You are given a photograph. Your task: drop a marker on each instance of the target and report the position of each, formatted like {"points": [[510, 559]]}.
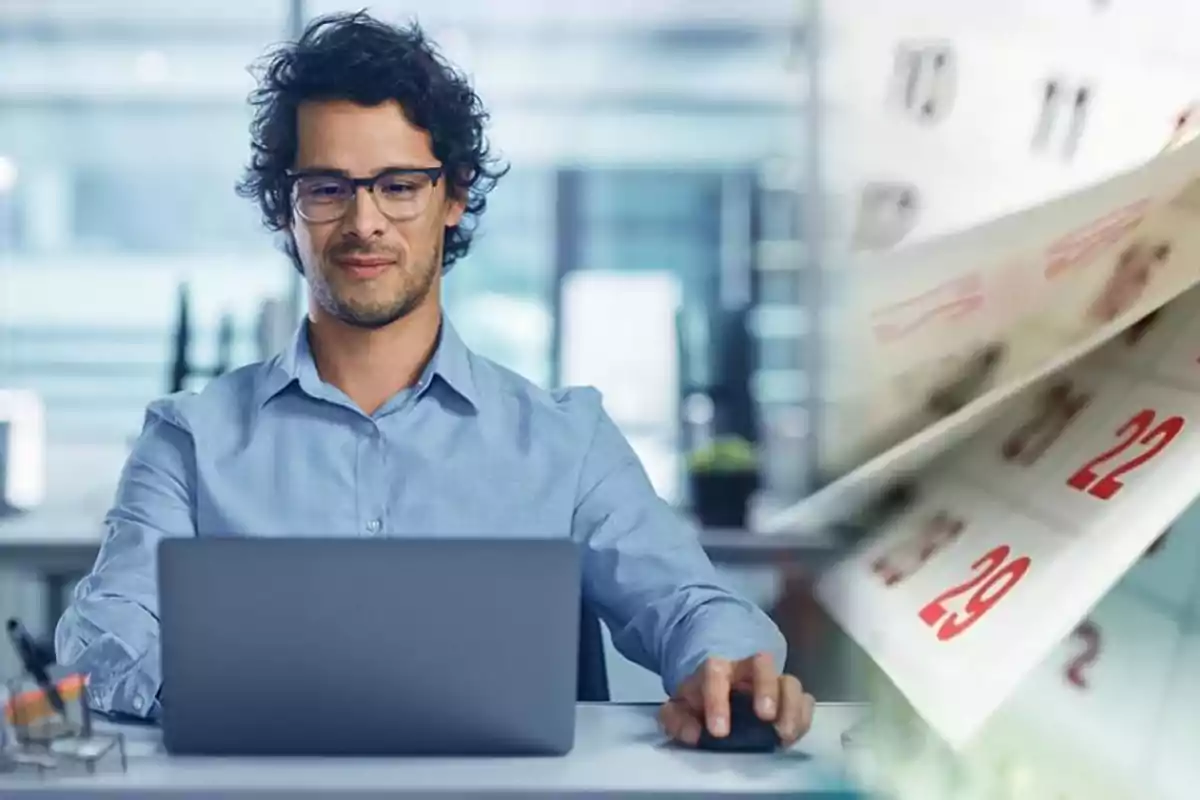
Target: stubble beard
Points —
{"points": [[373, 314]]}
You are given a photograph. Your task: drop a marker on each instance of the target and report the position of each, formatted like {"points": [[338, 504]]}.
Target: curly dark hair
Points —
{"points": [[354, 57]]}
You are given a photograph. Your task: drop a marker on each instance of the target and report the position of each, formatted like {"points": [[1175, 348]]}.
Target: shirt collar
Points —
{"points": [[451, 363]]}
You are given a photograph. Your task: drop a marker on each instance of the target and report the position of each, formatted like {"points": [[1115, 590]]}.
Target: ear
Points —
{"points": [[455, 208]]}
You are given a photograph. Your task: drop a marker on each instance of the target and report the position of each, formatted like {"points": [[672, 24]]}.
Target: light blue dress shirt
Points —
{"points": [[473, 449]]}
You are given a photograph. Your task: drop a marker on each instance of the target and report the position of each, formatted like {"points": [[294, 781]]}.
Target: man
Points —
{"points": [[369, 158]]}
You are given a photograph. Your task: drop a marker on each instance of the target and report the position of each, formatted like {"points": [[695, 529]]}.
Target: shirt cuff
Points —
{"points": [[119, 681], [728, 633]]}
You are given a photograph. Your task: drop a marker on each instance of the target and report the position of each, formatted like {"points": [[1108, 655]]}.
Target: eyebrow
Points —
{"points": [[321, 169]]}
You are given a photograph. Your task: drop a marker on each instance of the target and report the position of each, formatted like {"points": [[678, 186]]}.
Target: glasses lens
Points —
{"points": [[322, 198], [403, 195]]}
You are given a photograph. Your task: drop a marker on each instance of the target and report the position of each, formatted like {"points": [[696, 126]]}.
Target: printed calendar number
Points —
{"points": [[1058, 406], [1059, 98], [935, 534], [1089, 634], [887, 212], [924, 80], [1140, 430], [994, 577]]}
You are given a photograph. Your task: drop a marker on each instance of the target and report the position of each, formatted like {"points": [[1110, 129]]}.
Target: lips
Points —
{"points": [[364, 261], [364, 266]]}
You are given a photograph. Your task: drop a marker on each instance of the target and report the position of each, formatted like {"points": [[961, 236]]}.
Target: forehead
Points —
{"points": [[342, 135]]}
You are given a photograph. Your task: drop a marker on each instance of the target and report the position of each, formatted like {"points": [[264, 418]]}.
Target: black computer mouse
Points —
{"points": [[747, 733]]}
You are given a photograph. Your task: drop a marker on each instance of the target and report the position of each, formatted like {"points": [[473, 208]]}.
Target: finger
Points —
{"points": [[669, 720], [795, 710], [806, 717], [691, 691], [679, 722], [765, 682], [715, 685]]}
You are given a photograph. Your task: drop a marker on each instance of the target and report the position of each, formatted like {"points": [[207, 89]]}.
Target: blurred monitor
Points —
{"points": [[22, 451]]}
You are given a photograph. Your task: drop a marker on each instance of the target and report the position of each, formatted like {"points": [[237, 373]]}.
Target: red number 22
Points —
{"points": [[1136, 429], [994, 571]]}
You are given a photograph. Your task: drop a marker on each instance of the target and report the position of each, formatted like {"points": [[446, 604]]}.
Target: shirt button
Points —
{"points": [[374, 525]]}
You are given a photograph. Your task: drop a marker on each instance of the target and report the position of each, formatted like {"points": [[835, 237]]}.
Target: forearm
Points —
{"points": [[647, 575], [110, 632], [669, 610], [114, 642]]}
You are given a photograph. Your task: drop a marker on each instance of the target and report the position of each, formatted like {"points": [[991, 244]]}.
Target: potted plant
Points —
{"points": [[723, 477]]}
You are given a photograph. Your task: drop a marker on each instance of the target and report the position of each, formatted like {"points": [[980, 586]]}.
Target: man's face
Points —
{"points": [[368, 269]]}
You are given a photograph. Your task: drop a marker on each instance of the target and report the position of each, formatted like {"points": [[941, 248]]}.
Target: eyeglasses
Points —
{"points": [[400, 194]]}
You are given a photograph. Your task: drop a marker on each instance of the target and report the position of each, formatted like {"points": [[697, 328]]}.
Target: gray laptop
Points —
{"points": [[305, 646]]}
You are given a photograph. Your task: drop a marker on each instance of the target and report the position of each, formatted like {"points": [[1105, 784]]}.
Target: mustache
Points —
{"points": [[354, 248]]}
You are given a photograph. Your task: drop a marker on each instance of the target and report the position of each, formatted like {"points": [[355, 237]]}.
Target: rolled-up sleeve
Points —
{"points": [[110, 630], [647, 575]]}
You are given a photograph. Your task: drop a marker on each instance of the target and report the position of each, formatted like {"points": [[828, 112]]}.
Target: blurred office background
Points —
{"points": [[659, 147]]}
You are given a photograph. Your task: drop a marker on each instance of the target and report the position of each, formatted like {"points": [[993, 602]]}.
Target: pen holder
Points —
{"points": [[34, 735], [34, 721]]}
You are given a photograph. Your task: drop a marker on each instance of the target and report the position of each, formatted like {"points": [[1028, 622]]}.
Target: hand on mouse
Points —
{"points": [[703, 699]]}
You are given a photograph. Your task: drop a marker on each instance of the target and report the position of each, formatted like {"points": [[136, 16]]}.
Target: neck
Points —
{"points": [[371, 366]]}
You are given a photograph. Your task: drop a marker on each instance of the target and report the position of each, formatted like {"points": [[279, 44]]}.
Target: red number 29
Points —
{"points": [[1000, 578], [1138, 429]]}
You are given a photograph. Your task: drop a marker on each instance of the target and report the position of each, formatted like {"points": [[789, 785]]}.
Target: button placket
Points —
{"points": [[374, 478]]}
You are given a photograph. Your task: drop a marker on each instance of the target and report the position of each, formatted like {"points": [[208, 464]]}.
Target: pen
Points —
{"points": [[34, 663]]}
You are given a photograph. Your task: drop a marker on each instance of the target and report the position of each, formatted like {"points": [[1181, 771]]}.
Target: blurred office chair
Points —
{"points": [[181, 366], [719, 363], [592, 684], [734, 367]]}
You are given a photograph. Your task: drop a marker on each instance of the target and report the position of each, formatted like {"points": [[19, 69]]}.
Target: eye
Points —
{"points": [[322, 189], [399, 187]]}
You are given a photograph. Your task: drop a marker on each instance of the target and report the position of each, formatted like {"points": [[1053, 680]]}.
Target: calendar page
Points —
{"points": [[930, 341], [1109, 714], [1007, 541], [1118, 697], [1043, 485], [1007, 434]]}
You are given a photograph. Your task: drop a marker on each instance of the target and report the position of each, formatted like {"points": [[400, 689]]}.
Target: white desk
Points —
{"points": [[619, 753]]}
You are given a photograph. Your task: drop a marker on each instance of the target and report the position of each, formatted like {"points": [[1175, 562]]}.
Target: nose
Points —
{"points": [[364, 217]]}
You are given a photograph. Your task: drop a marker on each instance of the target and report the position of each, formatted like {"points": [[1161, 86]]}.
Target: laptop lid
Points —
{"points": [[313, 646]]}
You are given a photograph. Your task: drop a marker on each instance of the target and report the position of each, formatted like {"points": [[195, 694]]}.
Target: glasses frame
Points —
{"points": [[295, 176]]}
